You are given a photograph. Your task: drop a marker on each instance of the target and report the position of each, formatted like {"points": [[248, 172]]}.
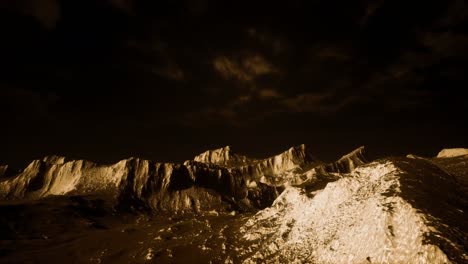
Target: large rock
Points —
{"points": [[391, 211]]}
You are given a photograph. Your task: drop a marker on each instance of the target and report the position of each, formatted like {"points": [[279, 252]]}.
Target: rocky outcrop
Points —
{"points": [[452, 152], [164, 186], [54, 176], [390, 211], [348, 162], [277, 170], [223, 157], [320, 174]]}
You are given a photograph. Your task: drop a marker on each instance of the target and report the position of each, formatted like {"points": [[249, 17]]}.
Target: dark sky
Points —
{"points": [[165, 80]]}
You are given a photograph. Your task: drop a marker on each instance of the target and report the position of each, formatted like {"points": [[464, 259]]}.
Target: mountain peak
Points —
{"points": [[222, 156], [348, 162], [299, 152], [214, 155], [299, 148], [355, 154], [54, 159]]}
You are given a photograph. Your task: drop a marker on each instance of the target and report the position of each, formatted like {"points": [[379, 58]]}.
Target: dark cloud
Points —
{"points": [[161, 75]]}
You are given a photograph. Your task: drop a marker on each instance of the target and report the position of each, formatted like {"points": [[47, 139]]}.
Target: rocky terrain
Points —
{"points": [[224, 207]]}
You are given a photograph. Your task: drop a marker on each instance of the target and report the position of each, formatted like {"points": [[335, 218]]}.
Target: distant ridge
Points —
{"points": [[215, 179]]}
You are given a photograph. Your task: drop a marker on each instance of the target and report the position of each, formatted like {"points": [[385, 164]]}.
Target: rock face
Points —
{"points": [[348, 162], [132, 183], [453, 152], [55, 177], [382, 212], [295, 166]]}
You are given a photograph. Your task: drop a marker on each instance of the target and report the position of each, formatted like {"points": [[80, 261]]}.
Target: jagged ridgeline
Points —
{"points": [[216, 179]]}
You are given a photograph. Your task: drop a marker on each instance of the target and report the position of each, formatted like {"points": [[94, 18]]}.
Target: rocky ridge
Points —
{"points": [[215, 179]]}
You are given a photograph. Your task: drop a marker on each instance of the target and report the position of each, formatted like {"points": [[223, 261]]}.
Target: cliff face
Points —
{"points": [[319, 174], [136, 183], [50, 176]]}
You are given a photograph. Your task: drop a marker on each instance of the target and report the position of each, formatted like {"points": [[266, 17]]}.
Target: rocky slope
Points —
{"points": [[389, 211], [452, 162]]}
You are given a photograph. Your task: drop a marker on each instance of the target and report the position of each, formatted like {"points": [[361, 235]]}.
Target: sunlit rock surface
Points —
{"points": [[46, 177], [384, 212], [222, 207]]}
